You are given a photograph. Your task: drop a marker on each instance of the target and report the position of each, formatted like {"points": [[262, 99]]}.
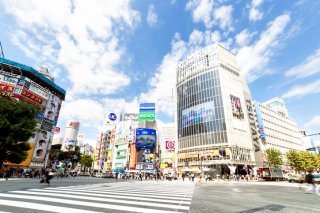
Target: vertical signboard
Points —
{"points": [[253, 129], [133, 152], [147, 112], [260, 122]]}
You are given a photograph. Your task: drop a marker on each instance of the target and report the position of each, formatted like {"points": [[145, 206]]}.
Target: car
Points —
{"points": [[98, 175], [296, 178], [317, 178]]}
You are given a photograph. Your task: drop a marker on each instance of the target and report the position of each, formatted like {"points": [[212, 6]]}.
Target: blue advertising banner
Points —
{"points": [[260, 121], [147, 107], [198, 114], [146, 138]]}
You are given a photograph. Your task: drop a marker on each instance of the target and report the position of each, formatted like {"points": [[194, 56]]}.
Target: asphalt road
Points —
{"points": [[151, 196], [252, 197]]}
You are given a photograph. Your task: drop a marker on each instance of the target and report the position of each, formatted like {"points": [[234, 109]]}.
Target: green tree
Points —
{"points": [[86, 161], [295, 160], [274, 157], [17, 124], [310, 160]]}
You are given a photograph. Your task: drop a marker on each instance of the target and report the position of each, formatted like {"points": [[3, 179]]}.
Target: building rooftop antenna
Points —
{"points": [[1, 52]]}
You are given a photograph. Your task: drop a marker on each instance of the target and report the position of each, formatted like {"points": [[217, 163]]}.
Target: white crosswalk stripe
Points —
{"points": [[123, 196]]}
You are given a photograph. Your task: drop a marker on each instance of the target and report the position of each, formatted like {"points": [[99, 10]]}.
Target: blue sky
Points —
{"points": [[112, 55]]}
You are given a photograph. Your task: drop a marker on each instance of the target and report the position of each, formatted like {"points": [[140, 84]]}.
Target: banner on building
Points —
{"points": [[147, 112], [170, 144]]}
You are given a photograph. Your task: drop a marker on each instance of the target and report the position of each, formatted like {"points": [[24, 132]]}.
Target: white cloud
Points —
{"points": [[84, 38], [202, 11], [253, 59], [163, 83], [254, 13], [244, 37], [88, 112], [307, 68], [223, 15], [152, 17], [196, 38], [303, 90], [314, 123]]}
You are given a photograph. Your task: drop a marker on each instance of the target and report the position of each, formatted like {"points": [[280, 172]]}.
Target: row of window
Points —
{"points": [[203, 139]]}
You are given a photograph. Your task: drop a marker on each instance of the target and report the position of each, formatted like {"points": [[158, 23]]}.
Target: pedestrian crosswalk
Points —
{"points": [[151, 197]]}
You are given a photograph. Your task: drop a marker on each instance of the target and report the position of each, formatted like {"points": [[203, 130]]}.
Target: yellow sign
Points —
{"points": [[163, 166]]}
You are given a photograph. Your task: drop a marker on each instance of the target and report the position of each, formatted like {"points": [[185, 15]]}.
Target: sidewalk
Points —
{"points": [[9, 179]]}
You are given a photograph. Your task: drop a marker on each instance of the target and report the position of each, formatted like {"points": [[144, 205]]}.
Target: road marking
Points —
{"points": [[137, 193], [100, 199], [124, 196], [236, 190], [84, 203], [44, 207]]}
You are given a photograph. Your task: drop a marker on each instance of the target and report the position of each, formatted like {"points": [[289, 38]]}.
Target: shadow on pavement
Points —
{"points": [[272, 207]]}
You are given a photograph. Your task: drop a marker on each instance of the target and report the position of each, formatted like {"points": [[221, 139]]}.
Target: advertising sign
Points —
{"points": [[170, 144], [198, 114], [260, 121], [41, 146], [147, 107], [147, 116], [149, 166], [139, 166], [147, 112], [129, 117], [145, 138], [112, 116], [133, 151], [57, 130], [46, 124], [237, 111], [69, 142], [53, 108]]}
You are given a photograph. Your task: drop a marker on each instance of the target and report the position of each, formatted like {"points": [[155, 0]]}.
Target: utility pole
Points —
{"points": [[1, 51]]}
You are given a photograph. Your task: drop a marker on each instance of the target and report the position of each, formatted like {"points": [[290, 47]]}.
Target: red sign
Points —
{"points": [[170, 144], [6, 88], [57, 130], [31, 96], [74, 124]]}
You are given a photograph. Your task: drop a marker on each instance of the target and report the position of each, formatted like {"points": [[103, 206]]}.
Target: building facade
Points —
{"points": [[24, 83], [276, 128], [213, 126]]}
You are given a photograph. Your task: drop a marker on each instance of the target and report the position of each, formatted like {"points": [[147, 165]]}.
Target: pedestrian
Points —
{"points": [[140, 176], [311, 181], [183, 177], [6, 174], [192, 177]]}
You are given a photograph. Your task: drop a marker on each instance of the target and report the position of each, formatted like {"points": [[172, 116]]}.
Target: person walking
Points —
{"points": [[140, 176], [311, 182]]}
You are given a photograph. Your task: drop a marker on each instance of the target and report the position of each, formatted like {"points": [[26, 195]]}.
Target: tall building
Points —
{"points": [[276, 128], [168, 149], [212, 114], [24, 83]]}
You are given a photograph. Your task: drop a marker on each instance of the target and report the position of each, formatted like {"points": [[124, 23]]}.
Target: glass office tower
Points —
{"points": [[212, 116]]}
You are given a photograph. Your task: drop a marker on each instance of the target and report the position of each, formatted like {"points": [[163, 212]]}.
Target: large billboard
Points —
{"points": [[43, 139], [145, 138], [198, 114], [147, 112], [237, 111]]}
